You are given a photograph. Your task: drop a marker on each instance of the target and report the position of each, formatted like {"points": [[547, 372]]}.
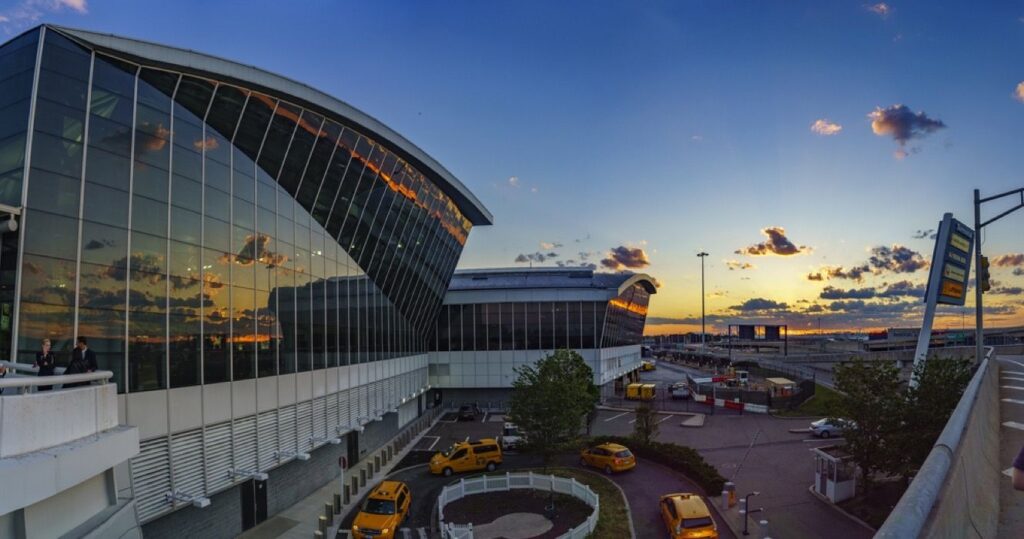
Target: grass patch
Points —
{"points": [[613, 518], [825, 402]]}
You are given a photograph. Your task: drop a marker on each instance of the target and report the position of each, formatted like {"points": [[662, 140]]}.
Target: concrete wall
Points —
{"points": [[223, 518], [60, 514], [49, 418], [496, 369], [968, 505]]}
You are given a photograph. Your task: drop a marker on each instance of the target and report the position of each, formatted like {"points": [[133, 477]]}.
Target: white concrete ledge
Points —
{"points": [[35, 476], [33, 421]]}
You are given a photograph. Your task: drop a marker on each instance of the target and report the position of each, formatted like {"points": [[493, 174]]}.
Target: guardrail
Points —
{"points": [[509, 481], [25, 384], [957, 464]]}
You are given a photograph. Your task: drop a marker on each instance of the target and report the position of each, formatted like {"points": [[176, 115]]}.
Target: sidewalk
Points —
{"points": [[301, 519], [1011, 439]]}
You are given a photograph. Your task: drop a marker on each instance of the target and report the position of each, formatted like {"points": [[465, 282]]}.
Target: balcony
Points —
{"points": [[57, 448]]}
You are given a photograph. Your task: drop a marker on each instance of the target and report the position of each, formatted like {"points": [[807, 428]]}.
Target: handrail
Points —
{"points": [[25, 382], [911, 513]]}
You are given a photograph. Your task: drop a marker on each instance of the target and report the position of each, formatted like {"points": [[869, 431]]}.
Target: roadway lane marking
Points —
{"points": [[1018, 373], [1015, 379], [406, 533], [1015, 401], [1018, 363], [1008, 472], [422, 532], [664, 418], [1012, 387], [485, 417], [615, 417], [1014, 425]]}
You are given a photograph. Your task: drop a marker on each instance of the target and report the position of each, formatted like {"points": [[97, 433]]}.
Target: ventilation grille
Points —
{"points": [[245, 443], [332, 415], [286, 428], [187, 457], [344, 408], [268, 440], [320, 418], [305, 422], [218, 456], [151, 478]]}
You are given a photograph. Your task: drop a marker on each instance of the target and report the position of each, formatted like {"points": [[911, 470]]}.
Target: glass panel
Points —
{"points": [[105, 331], [104, 245], [53, 193], [51, 235], [147, 351], [298, 161]]}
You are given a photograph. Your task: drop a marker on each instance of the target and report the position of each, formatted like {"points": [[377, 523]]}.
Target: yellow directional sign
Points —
{"points": [[960, 242], [952, 272], [951, 289]]}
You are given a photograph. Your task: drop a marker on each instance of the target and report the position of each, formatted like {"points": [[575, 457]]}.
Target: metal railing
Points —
{"points": [[502, 483], [26, 384], [914, 512]]}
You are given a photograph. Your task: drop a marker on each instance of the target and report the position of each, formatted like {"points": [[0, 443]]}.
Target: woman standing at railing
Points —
{"points": [[45, 363]]}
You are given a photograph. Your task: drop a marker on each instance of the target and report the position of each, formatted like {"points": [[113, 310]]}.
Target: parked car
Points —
{"points": [[608, 457], [511, 437], [686, 515], [647, 366], [483, 454], [383, 512], [680, 390], [467, 412], [827, 428]]}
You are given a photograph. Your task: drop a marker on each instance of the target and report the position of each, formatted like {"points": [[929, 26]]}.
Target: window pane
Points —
{"points": [[104, 245], [51, 235], [147, 353], [53, 193]]}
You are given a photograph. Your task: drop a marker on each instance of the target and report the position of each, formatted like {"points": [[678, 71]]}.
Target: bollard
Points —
{"points": [[329, 513], [729, 488], [348, 493], [391, 452], [362, 477], [384, 457], [322, 524], [337, 503], [317, 534], [376, 463], [762, 527]]}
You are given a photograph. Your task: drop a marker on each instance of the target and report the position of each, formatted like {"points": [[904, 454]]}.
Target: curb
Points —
{"points": [[848, 515]]}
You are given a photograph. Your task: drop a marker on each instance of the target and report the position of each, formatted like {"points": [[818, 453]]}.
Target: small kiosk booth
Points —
{"points": [[781, 387], [835, 474]]}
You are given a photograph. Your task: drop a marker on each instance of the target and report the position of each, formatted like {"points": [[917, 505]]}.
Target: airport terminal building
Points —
{"points": [[495, 320], [258, 263]]}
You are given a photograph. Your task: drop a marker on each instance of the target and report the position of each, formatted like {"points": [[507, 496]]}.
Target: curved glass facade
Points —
{"points": [[197, 231]]}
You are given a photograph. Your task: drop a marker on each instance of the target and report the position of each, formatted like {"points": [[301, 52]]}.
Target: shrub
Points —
{"points": [[682, 459]]}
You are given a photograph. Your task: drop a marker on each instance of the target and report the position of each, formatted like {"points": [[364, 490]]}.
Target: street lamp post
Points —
{"points": [[703, 346]]}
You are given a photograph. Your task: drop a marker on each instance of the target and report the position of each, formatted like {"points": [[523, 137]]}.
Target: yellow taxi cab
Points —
{"points": [[647, 366], [385, 509], [483, 454], [609, 457], [687, 516]]}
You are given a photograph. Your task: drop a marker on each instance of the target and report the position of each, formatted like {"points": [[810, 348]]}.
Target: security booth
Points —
{"points": [[835, 474], [780, 387]]}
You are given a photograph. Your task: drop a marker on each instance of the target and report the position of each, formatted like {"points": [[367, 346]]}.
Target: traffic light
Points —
{"points": [[985, 285]]}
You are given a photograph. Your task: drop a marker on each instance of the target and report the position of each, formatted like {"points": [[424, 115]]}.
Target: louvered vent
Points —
{"points": [[345, 408], [218, 457], [332, 414], [320, 418], [268, 439], [187, 457], [362, 393], [151, 478], [286, 428], [305, 422], [245, 443]]}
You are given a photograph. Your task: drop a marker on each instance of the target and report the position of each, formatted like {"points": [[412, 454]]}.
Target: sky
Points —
{"points": [[811, 148]]}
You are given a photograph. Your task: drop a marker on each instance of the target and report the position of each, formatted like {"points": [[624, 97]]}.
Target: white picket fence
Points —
{"points": [[509, 481]]}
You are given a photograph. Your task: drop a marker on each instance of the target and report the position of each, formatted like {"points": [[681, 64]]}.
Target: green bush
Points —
{"points": [[682, 459]]}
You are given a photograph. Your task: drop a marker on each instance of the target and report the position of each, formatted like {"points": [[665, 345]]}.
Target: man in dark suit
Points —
{"points": [[83, 360]]}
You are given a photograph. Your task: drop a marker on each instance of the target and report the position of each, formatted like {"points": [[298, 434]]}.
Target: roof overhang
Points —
{"points": [[290, 90], [643, 280]]}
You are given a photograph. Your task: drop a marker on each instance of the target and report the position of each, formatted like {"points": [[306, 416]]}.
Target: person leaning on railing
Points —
{"points": [[83, 360]]}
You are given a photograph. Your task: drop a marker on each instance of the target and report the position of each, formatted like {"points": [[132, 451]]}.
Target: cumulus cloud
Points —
{"points": [[760, 305], [29, 12], [831, 292], [623, 257], [513, 181], [538, 257], [897, 259], [1007, 291], [815, 276], [1018, 92], [825, 127], [895, 290], [549, 245], [903, 289], [924, 234], [881, 9], [1011, 260], [737, 265], [855, 273], [902, 124], [776, 244]]}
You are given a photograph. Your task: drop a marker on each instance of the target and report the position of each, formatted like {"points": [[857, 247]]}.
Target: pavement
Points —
{"points": [[1011, 440]]}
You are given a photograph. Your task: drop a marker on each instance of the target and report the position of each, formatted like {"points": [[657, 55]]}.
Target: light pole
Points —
{"points": [[979, 326], [703, 349]]}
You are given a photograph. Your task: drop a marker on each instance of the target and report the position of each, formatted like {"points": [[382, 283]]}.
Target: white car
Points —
{"points": [[823, 428], [511, 438]]}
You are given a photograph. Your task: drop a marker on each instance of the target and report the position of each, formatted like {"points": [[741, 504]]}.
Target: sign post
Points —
{"points": [[947, 279]]}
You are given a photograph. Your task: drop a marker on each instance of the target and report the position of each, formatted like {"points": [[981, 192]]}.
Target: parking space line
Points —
{"points": [[1013, 425], [485, 417], [1018, 373], [1014, 401], [1012, 387], [1015, 379], [616, 417], [664, 418]]}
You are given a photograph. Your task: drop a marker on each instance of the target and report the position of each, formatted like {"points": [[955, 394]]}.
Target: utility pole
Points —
{"points": [[979, 330], [703, 346]]}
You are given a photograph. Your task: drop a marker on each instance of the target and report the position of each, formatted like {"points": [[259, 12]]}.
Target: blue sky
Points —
{"points": [[668, 127]]}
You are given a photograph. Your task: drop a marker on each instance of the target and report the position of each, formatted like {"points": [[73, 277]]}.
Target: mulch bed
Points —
{"points": [[483, 508]]}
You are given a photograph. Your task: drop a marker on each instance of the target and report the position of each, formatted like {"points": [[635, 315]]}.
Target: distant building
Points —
{"points": [[494, 320]]}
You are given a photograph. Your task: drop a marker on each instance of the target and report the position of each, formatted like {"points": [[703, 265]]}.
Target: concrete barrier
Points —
{"points": [[956, 491]]}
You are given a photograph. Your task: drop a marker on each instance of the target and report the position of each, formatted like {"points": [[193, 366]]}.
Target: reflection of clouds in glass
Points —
{"points": [[209, 143], [97, 244], [150, 137], [255, 249]]}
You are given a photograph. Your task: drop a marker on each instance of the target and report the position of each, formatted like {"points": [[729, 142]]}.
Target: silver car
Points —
{"points": [[824, 428]]}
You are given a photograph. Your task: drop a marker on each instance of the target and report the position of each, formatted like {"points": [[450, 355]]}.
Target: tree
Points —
{"points": [[550, 399], [940, 384], [645, 426], [872, 395]]}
